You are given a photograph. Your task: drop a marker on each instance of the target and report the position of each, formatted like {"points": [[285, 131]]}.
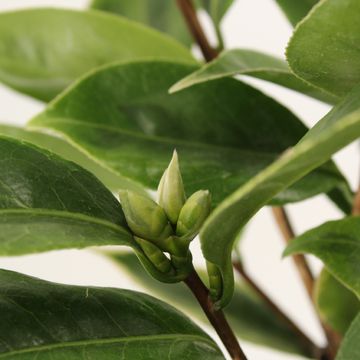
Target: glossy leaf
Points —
{"points": [[337, 305], [296, 10], [64, 149], [123, 116], [43, 50], [337, 244], [52, 321], [48, 203], [350, 347], [323, 49], [255, 64], [337, 129], [249, 317], [163, 15]]}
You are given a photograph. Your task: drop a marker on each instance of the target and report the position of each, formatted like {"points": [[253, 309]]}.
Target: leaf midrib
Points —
{"points": [[110, 341], [35, 125], [66, 215], [330, 240]]}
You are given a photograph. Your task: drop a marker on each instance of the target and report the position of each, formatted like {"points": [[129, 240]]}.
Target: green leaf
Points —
{"points": [[249, 317], [43, 50], [296, 10], [350, 347], [337, 129], [337, 244], [123, 116], [337, 305], [48, 203], [255, 64], [52, 321], [163, 15], [64, 149], [215, 8], [323, 49]]}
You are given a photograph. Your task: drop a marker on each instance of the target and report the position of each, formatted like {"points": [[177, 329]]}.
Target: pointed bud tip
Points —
{"points": [[171, 193], [122, 194], [204, 192], [174, 160]]}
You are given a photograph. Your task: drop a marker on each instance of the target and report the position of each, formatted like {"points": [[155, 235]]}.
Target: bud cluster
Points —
{"points": [[169, 225]]}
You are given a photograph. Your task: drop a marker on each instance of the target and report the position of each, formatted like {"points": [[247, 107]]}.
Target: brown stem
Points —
{"points": [[312, 349], [307, 277], [356, 203], [190, 16], [216, 317], [299, 259], [189, 13]]}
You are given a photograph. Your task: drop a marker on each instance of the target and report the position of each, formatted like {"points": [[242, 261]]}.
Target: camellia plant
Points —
{"points": [[123, 98]]}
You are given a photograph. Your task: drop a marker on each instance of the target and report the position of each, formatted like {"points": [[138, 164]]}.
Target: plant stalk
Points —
{"points": [[307, 277], [193, 281], [311, 348], [216, 317], [356, 203], [220, 38], [189, 13], [301, 263]]}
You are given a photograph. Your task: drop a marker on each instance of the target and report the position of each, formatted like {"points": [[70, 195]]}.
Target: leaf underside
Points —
{"points": [[255, 64], [296, 10], [337, 244], [337, 305], [350, 346]]}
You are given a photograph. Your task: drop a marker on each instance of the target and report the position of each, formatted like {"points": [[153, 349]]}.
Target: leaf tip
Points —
{"points": [[176, 87]]}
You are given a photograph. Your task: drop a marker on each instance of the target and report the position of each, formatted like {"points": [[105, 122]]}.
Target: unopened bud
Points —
{"points": [[215, 280], [171, 194], [145, 218], [155, 255], [193, 214]]}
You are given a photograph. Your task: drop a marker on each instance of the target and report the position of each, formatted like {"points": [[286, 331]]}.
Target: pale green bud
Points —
{"points": [[193, 214], [145, 218], [171, 194], [215, 280], [155, 255]]}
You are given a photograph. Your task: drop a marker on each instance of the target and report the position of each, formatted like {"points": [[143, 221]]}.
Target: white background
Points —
{"points": [[256, 24]]}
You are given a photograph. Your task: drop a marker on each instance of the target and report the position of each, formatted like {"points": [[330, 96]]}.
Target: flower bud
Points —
{"points": [[171, 194], [193, 214], [155, 255], [145, 218], [215, 281]]}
